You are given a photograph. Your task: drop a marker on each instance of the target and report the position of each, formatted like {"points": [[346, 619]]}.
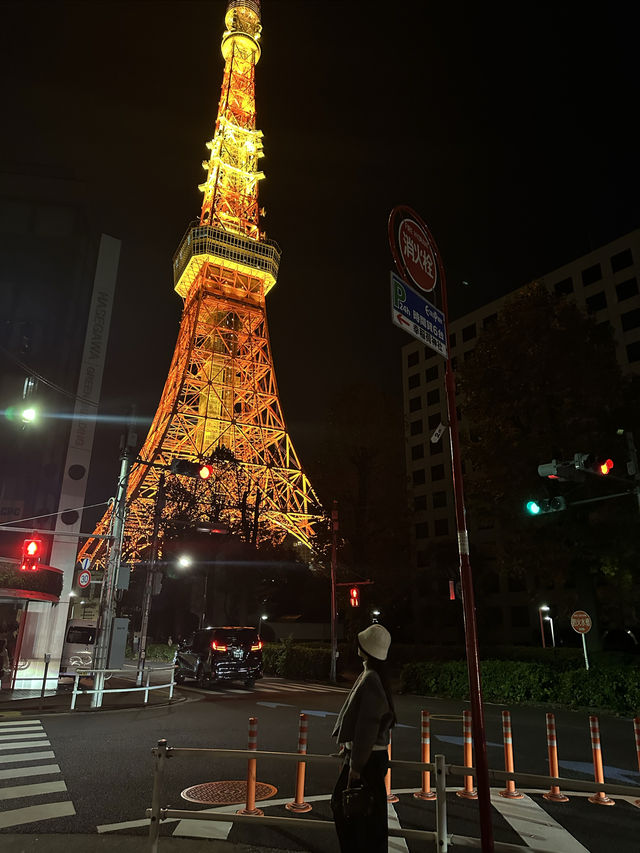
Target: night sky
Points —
{"points": [[511, 130]]}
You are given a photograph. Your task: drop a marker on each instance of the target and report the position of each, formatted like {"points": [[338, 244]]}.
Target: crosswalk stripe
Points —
{"points": [[35, 790], [24, 744], [40, 770], [13, 757], [525, 816], [24, 734], [32, 814], [22, 730], [18, 723]]}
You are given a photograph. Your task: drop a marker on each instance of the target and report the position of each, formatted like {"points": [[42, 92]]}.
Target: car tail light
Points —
{"points": [[257, 646], [218, 648]]}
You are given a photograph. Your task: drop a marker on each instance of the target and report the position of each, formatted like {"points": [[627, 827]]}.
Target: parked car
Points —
{"points": [[220, 654], [77, 652]]}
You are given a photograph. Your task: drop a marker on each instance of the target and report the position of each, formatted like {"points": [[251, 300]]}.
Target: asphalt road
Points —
{"points": [[105, 769]]}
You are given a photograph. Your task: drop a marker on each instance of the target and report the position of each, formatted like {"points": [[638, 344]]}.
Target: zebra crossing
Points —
{"points": [[263, 686], [25, 753]]}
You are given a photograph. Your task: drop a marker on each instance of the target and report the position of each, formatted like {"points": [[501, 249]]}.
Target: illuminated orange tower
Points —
{"points": [[221, 389]]}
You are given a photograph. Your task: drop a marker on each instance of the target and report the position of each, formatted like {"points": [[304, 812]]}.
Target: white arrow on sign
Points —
{"points": [[85, 563]]}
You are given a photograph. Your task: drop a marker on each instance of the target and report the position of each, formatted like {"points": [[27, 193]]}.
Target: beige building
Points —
{"points": [[603, 283]]}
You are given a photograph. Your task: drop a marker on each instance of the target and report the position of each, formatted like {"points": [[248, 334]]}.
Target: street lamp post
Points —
{"points": [[262, 619], [542, 609], [549, 619]]}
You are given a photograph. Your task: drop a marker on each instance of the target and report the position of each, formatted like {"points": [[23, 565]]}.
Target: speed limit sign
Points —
{"points": [[84, 579]]}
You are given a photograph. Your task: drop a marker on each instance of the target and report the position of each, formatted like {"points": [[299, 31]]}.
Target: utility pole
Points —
{"points": [[107, 606], [334, 564], [150, 578]]}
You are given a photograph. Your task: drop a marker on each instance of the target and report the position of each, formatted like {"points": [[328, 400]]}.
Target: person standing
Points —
{"points": [[362, 731]]}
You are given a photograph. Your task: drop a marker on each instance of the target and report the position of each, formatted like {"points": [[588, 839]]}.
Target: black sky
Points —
{"points": [[511, 128]]}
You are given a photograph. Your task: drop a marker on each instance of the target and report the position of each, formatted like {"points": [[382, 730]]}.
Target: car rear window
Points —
{"points": [[81, 635], [235, 636]]}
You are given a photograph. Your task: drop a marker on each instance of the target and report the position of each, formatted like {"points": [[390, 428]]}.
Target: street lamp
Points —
{"points": [[375, 614], [184, 561], [549, 619], [544, 608], [262, 619]]}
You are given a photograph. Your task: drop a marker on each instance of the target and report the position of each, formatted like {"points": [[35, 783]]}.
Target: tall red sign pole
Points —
{"points": [[419, 262]]}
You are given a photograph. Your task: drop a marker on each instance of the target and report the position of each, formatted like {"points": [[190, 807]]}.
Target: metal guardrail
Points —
{"points": [[440, 839], [146, 688]]}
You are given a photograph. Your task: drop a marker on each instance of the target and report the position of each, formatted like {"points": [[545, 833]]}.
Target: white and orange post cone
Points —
{"points": [[510, 791], [425, 793], [636, 731], [391, 798], [468, 792], [250, 807], [299, 805], [600, 798], [554, 794]]}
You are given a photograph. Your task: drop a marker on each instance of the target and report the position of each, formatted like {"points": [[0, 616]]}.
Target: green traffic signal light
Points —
{"points": [[547, 505]]}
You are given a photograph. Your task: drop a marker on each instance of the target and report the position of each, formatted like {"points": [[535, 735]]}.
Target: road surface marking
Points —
{"points": [[13, 730], [14, 757], [24, 744], [41, 770], [396, 845], [35, 790], [130, 824], [611, 774], [19, 723], [535, 826], [24, 734], [32, 814]]}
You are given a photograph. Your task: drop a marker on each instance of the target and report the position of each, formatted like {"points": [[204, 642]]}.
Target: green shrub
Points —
{"points": [[613, 687], [291, 660], [155, 652]]}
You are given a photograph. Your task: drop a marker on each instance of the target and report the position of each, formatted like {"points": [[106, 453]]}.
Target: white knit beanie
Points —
{"points": [[375, 641]]}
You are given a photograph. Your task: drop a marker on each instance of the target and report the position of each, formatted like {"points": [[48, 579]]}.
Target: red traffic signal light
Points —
{"points": [[205, 471], [354, 596], [604, 466], [31, 551]]}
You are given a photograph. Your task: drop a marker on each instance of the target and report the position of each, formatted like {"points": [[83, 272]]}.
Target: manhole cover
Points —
{"points": [[226, 793]]}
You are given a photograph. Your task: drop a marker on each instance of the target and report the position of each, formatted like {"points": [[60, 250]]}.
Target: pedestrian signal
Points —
{"points": [[354, 596]]}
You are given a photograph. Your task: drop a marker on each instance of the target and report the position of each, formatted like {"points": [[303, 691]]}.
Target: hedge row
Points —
{"points": [[291, 660], [512, 682]]}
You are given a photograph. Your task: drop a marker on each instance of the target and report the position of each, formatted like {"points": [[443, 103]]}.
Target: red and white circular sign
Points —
{"points": [[417, 255], [84, 579], [581, 622]]}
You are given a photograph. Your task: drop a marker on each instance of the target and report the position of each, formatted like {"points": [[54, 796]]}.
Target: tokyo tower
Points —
{"points": [[221, 390]]}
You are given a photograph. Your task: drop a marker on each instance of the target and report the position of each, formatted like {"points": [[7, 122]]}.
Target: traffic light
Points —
{"points": [[596, 464], [31, 552], [354, 596], [549, 469], [187, 468], [546, 505]]}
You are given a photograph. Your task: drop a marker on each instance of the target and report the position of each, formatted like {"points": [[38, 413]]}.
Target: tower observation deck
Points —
{"points": [[221, 393]]}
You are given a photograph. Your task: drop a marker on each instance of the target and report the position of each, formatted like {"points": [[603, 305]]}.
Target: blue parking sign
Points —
{"points": [[416, 315]]}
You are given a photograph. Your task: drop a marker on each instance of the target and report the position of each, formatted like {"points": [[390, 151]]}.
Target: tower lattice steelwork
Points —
{"points": [[221, 390]]}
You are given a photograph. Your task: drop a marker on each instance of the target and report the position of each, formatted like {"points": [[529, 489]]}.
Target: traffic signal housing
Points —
{"points": [[354, 596], [546, 505], [596, 464], [31, 553], [187, 468]]}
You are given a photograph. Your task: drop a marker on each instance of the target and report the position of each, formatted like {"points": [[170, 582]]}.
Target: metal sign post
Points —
{"points": [[581, 624], [334, 563], [417, 257]]}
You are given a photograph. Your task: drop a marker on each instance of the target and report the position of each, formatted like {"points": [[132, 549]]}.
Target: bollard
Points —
{"points": [[636, 731], [468, 792], [250, 807], [554, 794], [299, 805], [600, 798], [391, 798], [425, 727], [510, 791]]}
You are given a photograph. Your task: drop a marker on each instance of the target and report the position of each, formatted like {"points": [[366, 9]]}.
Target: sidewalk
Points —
{"points": [[20, 702]]}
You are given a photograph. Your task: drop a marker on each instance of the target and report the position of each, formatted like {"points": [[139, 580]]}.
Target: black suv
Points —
{"points": [[220, 654]]}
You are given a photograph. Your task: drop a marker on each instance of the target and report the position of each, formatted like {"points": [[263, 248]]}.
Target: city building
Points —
{"points": [[603, 283]]}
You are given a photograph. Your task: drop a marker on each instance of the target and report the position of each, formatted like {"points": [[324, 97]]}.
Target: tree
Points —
{"points": [[543, 383]]}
